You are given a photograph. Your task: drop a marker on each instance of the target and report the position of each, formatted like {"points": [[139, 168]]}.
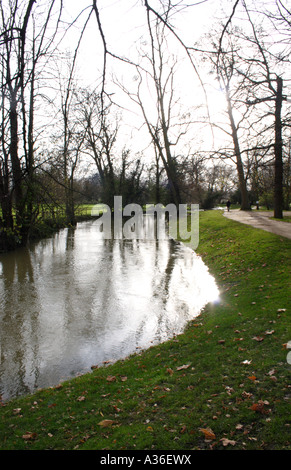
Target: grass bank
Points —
{"points": [[47, 223], [223, 384], [50, 221]]}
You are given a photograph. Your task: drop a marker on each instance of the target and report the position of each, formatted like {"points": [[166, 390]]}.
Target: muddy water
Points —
{"points": [[77, 300]]}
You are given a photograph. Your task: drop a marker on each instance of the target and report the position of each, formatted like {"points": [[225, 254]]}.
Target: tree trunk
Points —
{"points": [[70, 204], [16, 168], [245, 204], [278, 183], [287, 179], [157, 182]]}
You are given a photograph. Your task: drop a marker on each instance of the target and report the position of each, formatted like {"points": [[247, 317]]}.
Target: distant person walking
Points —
{"points": [[228, 205]]}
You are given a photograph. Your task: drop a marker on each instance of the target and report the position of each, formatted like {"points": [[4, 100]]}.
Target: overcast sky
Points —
{"points": [[125, 29]]}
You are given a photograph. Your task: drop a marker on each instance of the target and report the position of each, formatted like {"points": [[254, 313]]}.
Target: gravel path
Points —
{"points": [[262, 220]]}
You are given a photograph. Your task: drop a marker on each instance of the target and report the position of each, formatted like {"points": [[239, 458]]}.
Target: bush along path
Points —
{"points": [[223, 384]]}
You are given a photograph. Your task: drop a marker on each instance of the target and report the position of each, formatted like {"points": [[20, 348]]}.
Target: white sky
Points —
{"points": [[124, 26]]}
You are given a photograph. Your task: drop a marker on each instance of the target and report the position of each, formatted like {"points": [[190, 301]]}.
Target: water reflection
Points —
{"points": [[76, 300]]}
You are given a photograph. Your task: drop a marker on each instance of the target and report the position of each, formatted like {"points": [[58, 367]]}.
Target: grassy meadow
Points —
{"points": [[223, 384]]}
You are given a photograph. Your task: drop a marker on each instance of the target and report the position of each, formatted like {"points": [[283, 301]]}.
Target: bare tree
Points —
{"points": [[157, 72], [23, 43], [265, 82], [100, 127], [224, 63]]}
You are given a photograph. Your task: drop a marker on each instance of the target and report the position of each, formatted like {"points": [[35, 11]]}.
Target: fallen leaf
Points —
{"points": [[81, 398], [226, 442], [170, 371], [259, 408], [208, 433], [239, 426], [258, 338], [185, 366], [252, 377], [29, 436], [123, 378], [105, 423], [111, 378]]}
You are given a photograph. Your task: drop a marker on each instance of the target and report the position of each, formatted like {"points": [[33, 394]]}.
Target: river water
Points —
{"points": [[76, 300]]}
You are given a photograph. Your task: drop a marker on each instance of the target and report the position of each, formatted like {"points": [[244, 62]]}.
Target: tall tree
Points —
{"points": [[24, 44], [157, 70], [100, 127], [266, 84], [224, 63]]}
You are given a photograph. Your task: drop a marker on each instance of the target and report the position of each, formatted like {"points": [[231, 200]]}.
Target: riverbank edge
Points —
{"points": [[41, 230], [192, 392]]}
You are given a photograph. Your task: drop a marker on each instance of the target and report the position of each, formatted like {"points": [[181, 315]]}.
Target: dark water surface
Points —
{"points": [[76, 300]]}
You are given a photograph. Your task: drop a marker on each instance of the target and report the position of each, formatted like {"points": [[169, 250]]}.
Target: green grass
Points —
{"points": [[222, 384], [287, 218]]}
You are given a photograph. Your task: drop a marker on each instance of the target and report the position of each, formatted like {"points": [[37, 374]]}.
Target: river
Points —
{"points": [[76, 300]]}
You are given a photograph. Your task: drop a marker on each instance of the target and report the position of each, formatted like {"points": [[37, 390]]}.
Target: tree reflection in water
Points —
{"points": [[77, 299]]}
